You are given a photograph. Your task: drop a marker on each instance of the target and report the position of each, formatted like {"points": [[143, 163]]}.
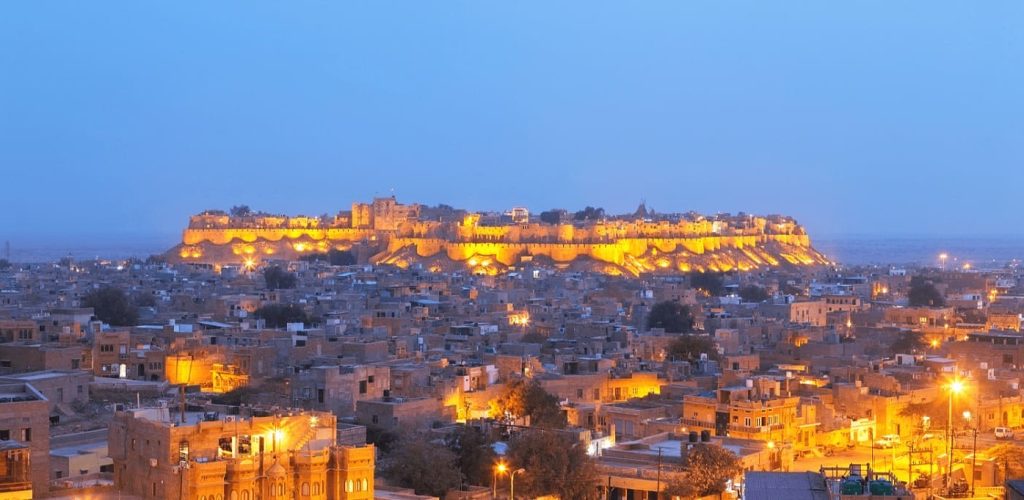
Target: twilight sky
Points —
{"points": [[877, 117]]}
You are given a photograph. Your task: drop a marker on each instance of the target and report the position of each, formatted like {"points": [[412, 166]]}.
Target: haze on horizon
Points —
{"points": [[882, 118]]}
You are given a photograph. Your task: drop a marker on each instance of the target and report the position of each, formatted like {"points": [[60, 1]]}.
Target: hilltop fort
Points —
{"points": [[443, 238]]}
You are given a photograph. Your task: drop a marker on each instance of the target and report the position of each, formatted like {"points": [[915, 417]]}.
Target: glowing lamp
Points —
{"points": [[956, 387]]}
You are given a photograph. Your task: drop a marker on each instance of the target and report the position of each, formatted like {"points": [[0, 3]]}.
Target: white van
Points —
{"points": [[888, 441], [1004, 433]]}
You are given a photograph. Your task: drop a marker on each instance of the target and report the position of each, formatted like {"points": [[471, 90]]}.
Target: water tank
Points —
{"points": [[851, 486], [882, 487]]}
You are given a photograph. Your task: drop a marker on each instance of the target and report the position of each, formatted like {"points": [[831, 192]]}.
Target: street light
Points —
{"points": [[501, 468], [974, 451], [512, 483], [942, 258], [955, 387]]}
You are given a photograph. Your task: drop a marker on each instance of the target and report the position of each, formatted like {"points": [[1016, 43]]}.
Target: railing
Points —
{"points": [[754, 429], [692, 422], [15, 486]]}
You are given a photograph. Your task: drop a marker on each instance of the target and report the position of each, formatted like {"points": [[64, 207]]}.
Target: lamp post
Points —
{"points": [[942, 258], [974, 449], [501, 468], [512, 483], [955, 387]]}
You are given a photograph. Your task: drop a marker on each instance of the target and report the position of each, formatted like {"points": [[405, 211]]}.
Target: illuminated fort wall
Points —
{"points": [[399, 238]]}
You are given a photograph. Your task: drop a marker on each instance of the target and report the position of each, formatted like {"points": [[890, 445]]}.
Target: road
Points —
{"points": [[896, 459]]}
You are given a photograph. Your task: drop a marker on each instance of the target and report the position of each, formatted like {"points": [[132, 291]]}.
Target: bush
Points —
{"points": [[112, 306], [672, 316], [279, 315], [277, 278]]}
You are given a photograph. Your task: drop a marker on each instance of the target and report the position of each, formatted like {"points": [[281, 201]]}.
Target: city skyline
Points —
{"points": [[854, 120]]}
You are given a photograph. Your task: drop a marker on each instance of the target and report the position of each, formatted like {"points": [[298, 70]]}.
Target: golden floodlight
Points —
{"points": [[956, 387]]}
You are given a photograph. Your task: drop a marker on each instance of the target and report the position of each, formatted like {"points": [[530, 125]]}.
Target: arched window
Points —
{"points": [[305, 489], [220, 496], [280, 488], [234, 495], [366, 484], [349, 487], [245, 494]]}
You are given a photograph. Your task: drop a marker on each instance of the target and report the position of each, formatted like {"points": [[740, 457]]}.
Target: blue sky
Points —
{"points": [[897, 118]]}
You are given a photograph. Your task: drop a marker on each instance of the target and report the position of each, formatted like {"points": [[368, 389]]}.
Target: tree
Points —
{"points": [[156, 260], [334, 256], [279, 315], [552, 216], [707, 469], [276, 278], [555, 463], [529, 399], [474, 454], [710, 283], [415, 462], [753, 293], [534, 338], [1010, 457], [112, 306], [672, 316], [924, 294], [240, 211], [690, 347], [907, 343], [144, 300], [589, 214]]}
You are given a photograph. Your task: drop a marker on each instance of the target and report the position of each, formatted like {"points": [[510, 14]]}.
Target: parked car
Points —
{"points": [[1004, 433], [888, 441]]}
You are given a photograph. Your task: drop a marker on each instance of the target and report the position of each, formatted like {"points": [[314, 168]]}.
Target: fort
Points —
{"points": [[446, 239]]}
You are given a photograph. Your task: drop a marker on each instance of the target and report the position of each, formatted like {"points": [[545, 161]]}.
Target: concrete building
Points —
{"points": [[242, 457], [24, 419]]}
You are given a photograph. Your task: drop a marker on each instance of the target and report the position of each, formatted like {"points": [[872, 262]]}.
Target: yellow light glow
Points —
{"points": [[967, 266], [956, 387], [249, 263], [278, 435], [934, 343], [967, 414], [771, 445], [502, 468]]}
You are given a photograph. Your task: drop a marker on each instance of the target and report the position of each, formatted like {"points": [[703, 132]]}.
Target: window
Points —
{"points": [[305, 489], [579, 393], [362, 387], [5, 435], [26, 435], [369, 379], [5, 363], [373, 419], [349, 486], [106, 348]]}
